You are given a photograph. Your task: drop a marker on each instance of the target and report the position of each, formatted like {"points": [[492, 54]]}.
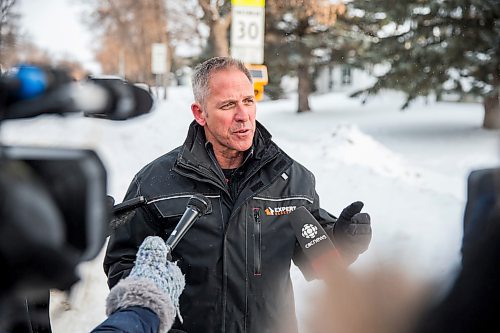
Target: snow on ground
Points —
{"points": [[408, 167]]}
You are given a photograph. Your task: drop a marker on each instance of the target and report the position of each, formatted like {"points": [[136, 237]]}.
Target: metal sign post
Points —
{"points": [[159, 65]]}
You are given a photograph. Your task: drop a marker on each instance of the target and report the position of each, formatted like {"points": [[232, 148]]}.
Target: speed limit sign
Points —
{"points": [[247, 31]]}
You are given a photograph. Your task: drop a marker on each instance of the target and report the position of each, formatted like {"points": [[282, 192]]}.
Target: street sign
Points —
{"points": [[158, 58], [247, 31]]}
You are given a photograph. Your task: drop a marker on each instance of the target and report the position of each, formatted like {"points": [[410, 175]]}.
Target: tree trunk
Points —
{"points": [[218, 25], [218, 33], [304, 88], [491, 105]]}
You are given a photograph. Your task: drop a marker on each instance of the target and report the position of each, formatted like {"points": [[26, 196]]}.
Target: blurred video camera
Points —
{"points": [[54, 210]]}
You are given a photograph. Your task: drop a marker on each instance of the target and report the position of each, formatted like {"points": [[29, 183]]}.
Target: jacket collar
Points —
{"points": [[194, 151], [194, 161]]}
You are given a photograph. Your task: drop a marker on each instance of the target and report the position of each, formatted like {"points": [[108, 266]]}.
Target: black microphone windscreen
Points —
{"points": [[125, 100], [201, 203]]}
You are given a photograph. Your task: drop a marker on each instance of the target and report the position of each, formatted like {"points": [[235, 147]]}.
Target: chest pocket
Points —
{"points": [[170, 209], [195, 252], [270, 222]]}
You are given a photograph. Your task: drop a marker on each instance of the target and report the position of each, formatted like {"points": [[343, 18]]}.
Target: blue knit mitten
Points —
{"points": [[154, 282]]}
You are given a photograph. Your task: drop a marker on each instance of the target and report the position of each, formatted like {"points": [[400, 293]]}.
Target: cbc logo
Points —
{"points": [[309, 231]]}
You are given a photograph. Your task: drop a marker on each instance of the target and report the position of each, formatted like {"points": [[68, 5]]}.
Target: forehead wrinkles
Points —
{"points": [[234, 86]]}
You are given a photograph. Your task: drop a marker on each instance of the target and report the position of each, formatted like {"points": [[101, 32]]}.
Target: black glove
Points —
{"points": [[352, 231]]}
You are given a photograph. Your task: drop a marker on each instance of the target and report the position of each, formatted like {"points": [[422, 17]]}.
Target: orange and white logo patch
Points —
{"points": [[279, 210]]}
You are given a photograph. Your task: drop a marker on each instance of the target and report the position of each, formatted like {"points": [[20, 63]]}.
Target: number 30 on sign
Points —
{"points": [[247, 30]]}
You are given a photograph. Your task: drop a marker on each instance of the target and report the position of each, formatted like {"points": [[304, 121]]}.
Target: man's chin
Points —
{"points": [[242, 147], [242, 141]]}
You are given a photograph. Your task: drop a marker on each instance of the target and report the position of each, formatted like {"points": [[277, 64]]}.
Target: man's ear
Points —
{"points": [[198, 114]]}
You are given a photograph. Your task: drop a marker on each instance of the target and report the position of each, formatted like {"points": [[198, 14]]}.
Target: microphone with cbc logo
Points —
{"points": [[315, 243]]}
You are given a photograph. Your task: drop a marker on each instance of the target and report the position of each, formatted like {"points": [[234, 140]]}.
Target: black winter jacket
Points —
{"points": [[237, 258]]}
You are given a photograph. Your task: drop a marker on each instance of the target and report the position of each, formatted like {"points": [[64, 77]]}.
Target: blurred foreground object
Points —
{"points": [[154, 283], [54, 212], [389, 301], [28, 91], [473, 302]]}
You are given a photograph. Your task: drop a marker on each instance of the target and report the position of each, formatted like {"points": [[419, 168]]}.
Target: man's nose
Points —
{"points": [[242, 112]]}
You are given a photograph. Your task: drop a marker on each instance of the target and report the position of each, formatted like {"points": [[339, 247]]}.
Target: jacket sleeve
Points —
{"points": [[125, 238], [133, 319]]}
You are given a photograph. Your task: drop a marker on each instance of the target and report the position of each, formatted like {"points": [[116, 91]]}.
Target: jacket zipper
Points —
{"points": [[257, 242]]}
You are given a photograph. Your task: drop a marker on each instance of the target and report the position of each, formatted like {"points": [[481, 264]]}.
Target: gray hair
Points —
{"points": [[202, 73]]}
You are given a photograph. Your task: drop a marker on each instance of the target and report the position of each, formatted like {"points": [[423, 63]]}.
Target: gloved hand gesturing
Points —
{"points": [[154, 283], [352, 231]]}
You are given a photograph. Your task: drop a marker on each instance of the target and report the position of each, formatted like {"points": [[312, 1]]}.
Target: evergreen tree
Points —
{"points": [[297, 35], [434, 47]]}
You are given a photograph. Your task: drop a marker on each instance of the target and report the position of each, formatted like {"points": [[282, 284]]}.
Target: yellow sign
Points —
{"points": [[248, 3], [258, 72], [258, 90], [259, 78]]}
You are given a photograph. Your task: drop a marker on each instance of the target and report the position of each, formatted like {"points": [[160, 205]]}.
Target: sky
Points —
{"points": [[409, 168], [56, 26]]}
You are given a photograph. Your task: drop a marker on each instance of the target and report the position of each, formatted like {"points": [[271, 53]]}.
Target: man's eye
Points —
{"points": [[249, 101], [226, 106]]}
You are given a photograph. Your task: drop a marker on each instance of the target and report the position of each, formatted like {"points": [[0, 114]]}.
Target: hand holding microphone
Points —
{"points": [[153, 283]]}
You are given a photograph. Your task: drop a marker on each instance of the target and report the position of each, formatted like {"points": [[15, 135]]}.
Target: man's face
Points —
{"points": [[228, 114]]}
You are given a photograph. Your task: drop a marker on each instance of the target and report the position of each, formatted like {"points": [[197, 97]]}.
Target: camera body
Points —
{"points": [[54, 208]]}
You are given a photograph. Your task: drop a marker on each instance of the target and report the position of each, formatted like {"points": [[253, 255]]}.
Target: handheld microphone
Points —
{"points": [[26, 81], [29, 91], [315, 243], [123, 212], [197, 206], [125, 100]]}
